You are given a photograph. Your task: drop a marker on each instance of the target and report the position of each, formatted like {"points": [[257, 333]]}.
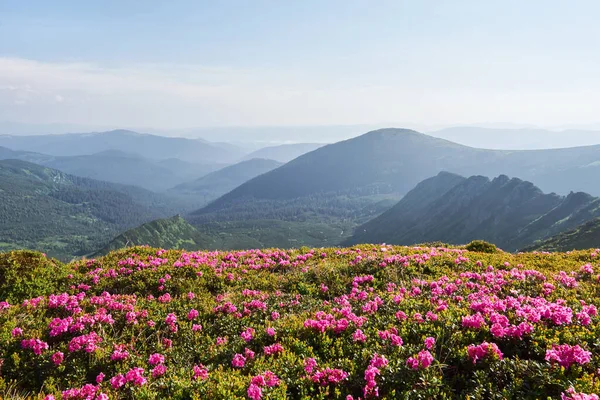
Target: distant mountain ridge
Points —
{"points": [[285, 152], [518, 138], [395, 160], [146, 145], [508, 212], [119, 167]]}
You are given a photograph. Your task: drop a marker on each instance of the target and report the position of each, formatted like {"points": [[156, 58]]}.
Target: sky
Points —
{"points": [[193, 63]]}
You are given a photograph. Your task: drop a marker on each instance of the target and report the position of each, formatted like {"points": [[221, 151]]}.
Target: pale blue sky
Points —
{"points": [[169, 64]]}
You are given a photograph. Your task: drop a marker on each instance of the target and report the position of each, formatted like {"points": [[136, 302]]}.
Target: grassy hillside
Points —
{"points": [[509, 212], [176, 233], [370, 322], [583, 236], [65, 215], [170, 233]]}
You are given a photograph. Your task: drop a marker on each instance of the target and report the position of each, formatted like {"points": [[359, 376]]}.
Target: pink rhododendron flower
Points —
{"points": [[566, 355], [248, 334], [37, 345], [118, 381], [273, 349], [57, 358], [193, 314], [221, 341], [423, 360], [136, 376], [159, 371], [200, 372], [254, 392], [239, 361], [573, 395], [120, 353], [429, 343], [359, 336], [156, 359], [482, 351]]}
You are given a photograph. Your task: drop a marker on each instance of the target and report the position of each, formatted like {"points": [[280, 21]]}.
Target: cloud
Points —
{"points": [[177, 96]]}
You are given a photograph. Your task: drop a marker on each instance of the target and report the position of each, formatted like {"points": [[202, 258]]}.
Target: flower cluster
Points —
{"points": [[566, 355], [382, 321]]}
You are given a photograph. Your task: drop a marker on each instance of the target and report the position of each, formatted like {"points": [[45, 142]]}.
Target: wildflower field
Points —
{"points": [[358, 323]]}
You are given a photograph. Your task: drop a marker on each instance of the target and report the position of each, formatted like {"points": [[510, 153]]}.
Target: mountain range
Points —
{"points": [[393, 161], [119, 167], [318, 198], [346, 184], [149, 146], [510, 213]]}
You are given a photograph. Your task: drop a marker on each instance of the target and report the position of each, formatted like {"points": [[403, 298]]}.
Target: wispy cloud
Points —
{"points": [[170, 96]]}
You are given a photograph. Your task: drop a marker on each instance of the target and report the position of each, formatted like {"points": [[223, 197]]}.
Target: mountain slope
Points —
{"points": [[343, 184], [394, 160], [168, 233], [42, 208], [376, 162], [150, 146], [285, 152], [119, 167], [217, 183], [129, 169], [508, 212], [585, 236]]}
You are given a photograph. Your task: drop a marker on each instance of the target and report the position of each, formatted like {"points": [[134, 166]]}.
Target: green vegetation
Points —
{"points": [[368, 322], [481, 246], [584, 236], [317, 220], [26, 274], [65, 215], [170, 233]]}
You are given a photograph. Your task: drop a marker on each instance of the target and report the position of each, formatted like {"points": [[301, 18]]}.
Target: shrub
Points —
{"points": [[481, 246]]}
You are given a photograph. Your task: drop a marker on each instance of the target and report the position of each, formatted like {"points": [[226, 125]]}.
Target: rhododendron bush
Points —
{"points": [[371, 322]]}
